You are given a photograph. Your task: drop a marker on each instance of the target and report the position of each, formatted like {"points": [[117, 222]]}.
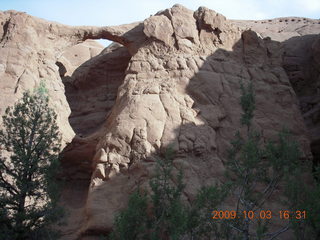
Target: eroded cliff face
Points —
{"points": [[30, 52], [300, 41], [172, 79]]}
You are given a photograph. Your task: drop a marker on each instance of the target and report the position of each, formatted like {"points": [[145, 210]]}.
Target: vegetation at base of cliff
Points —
{"points": [[166, 217], [130, 223], [29, 144], [257, 170]]}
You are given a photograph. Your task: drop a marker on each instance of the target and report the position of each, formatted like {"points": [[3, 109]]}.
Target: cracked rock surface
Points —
{"points": [[171, 80]]}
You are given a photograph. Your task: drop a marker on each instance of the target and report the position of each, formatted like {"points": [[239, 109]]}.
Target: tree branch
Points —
{"points": [[275, 234], [8, 186]]}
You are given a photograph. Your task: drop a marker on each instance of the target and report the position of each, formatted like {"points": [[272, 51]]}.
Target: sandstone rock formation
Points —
{"points": [[172, 79], [30, 49], [300, 42]]}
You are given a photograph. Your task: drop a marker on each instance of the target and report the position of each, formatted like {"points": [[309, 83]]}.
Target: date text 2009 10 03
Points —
{"points": [[263, 214]]}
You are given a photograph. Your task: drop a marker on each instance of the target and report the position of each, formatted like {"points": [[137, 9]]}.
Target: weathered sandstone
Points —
{"points": [[172, 79]]}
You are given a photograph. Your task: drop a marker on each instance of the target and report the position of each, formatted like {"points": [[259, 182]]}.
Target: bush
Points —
{"points": [[130, 224], [167, 218], [254, 164]]}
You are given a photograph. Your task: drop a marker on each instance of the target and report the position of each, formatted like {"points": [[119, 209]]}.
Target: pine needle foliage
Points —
{"points": [[257, 169], [130, 223], [167, 215], [29, 145]]}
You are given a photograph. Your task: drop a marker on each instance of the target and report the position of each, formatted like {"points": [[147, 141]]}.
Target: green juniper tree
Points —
{"points": [[256, 170], [167, 218], [303, 201], [169, 213], [29, 145], [200, 224], [130, 223]]}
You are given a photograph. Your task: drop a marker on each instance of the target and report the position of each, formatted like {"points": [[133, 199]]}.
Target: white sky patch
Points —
{"points": [[232, 9], [104, 42], [109, 13], [259, 16], [310, 5]]}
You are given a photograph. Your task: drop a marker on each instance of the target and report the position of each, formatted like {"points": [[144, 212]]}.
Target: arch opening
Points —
{"points": [[91, 74]]}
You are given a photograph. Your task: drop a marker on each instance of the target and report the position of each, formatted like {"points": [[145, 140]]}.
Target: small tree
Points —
{"points": [[29, 144], [200, 224], [130, 224], [168, 216], [304, 198], [256, 170], [169, 212]]}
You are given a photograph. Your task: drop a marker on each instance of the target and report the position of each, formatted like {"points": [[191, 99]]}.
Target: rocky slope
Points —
{"points": [[172, 79], [300, 42]]}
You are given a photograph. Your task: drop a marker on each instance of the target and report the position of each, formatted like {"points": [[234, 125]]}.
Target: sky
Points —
{"points": [[115, 12]]}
